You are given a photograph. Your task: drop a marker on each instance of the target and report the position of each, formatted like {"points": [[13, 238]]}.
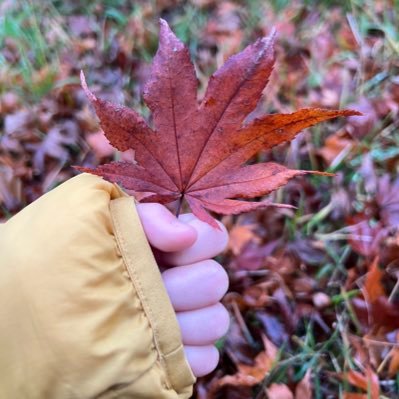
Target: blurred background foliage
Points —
{"points": [[314, 292]]}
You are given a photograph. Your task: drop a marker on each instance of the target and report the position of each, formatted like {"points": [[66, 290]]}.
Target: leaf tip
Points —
{"points": [[272, 35], [283, 206], [164, 30], [86, 89], [270, 39], [80, 168], [352, 112], [319, 173], [216, 227], [167, 37], [163, 24]]}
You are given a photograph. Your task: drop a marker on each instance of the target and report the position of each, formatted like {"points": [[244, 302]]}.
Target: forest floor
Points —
{"points": [[314, 296]]}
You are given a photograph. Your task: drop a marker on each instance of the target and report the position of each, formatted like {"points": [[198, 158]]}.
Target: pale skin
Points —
{"points": [[195, 283]]}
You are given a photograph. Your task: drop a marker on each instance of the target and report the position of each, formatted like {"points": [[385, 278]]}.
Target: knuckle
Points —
{"points": [[212, 266], [223, 320], [216, 238], [223, 237], [219, 276], [220, 238], [215, 359]]}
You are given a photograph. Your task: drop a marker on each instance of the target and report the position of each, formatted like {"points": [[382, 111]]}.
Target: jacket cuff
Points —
{"points": [[146, 278]]}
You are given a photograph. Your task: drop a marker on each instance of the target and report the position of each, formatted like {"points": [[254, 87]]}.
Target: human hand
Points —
{"points": [[195, 284]]}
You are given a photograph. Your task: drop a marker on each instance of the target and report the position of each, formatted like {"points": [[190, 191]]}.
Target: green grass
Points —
{"points": [[33, 65], [38, 32]]}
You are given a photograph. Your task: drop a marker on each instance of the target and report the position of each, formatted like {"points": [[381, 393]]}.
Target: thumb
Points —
{"points": [[163, 230]]}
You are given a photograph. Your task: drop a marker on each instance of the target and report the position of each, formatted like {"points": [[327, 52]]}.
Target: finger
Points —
{"points": [[195, 286], [202, 359], [203, 326], [210, 242], [163, 230]]}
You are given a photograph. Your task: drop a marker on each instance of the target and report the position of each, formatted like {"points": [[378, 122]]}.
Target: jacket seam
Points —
{"points": [[157, 308], [143, 298]]}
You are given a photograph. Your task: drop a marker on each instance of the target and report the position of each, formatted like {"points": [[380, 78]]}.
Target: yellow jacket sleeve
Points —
{"points": [[83, 310]]}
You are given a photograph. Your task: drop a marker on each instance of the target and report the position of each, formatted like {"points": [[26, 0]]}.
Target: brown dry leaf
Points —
{"points": [[381, 313], [253, 256], [373, 287], [256, 373], [387, 199], [55, 144], [9, 103], [334, 147], [252, 375], [374, 384], [239, 236], [197, 152], [365, 238], [394, 362], [15, 124], [368, 382], [357, 379], [279, 391], [304, 388], [224, 29], [368, 173], [10, 187], [360, 127], [390, 251], [385, 313], [350, 395], [272, 325], [100, 145], [236, 345]]}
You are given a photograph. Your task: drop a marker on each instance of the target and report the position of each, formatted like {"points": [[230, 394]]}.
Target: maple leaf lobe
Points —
{"points": [[198, 151]]}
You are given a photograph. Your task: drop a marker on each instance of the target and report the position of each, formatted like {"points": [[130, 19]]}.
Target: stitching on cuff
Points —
{"points": [[146, 277]]}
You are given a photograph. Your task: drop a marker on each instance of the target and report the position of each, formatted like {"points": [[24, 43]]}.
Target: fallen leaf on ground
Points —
{"points": [[373, 282], [360, 127], [387, 199], [334, 147], [365, 238], [100, 144], [394, 361], [367, 381], [304, 388], [239, 236], [279, 391], [350, 395], [252, 375]]}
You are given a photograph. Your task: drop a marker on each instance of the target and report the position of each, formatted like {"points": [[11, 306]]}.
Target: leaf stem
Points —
{"points": [[179, 205]]}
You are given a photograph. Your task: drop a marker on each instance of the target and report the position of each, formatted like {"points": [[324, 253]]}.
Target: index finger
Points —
{"points": [[209, 243]]}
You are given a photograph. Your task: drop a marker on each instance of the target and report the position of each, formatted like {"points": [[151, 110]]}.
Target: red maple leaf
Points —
{"points": [[197, 151]]}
